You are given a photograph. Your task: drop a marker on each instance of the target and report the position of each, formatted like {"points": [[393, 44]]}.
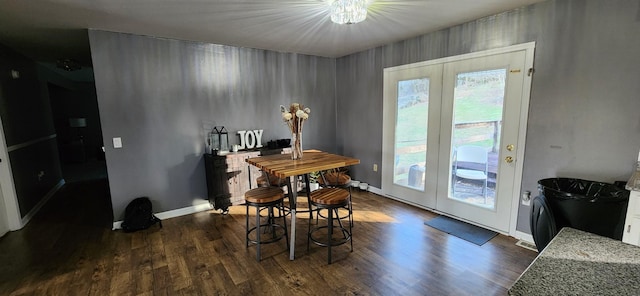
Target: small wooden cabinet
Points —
{"points": [[229, 176]]}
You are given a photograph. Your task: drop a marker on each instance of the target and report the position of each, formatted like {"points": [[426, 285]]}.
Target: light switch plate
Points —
{"points": [[117, 142], [526, 198]]}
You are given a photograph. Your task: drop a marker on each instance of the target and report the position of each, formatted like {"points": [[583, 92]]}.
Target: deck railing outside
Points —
{"points": [[494, 125]]}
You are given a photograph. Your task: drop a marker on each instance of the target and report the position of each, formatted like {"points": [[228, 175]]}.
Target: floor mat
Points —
{"points": [[463, 230]]}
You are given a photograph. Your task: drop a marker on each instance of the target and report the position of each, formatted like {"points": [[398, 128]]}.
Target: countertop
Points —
{"points": [[581, 263]]}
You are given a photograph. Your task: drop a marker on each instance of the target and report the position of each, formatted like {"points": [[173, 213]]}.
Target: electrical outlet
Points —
{"points": [[375, 167], [117, 142]]}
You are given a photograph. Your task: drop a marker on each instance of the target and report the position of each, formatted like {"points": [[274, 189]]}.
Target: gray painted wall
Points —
{"points": [[156, 94], [584, 118]]}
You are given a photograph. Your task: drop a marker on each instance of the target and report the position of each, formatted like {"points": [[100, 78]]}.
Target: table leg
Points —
{"points": [[292, 187]]}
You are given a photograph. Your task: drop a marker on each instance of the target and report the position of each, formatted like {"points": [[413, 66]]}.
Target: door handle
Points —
{"points": [[508, 159], [510, 147]]}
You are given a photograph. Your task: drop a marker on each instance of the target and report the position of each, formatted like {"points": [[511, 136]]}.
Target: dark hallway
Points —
{"points": [[79, 134]]}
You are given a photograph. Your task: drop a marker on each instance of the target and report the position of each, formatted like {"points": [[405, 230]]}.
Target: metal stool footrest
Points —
{"points": [[270, 228], [324, 241]]}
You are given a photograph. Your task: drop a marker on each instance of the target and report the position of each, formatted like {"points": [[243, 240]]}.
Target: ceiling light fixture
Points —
{"points": [[348, 11], [68, 64]]}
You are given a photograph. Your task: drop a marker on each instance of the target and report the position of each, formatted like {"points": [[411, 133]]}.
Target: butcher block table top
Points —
{"points": [[282, 166]]}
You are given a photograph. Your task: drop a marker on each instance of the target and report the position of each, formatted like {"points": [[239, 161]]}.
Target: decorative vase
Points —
{"points": [[296, 146]]}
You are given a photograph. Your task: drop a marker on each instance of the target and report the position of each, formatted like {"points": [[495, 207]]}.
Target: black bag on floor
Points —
{"points": [[138, 215]]}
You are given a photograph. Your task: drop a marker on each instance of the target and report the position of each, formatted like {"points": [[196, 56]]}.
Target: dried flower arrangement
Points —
{"points": [[295, 117]]}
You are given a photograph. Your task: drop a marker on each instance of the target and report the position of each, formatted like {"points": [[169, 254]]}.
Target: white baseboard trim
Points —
{"points": [[174, 213], [41, 203], [375, 190], [523, 236]]}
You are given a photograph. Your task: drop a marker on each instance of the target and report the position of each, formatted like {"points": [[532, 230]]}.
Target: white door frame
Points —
{"points": [[522, 133], [8, 194], [529, 49]]}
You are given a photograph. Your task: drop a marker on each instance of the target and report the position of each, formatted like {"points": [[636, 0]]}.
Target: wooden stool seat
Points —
{"points": [[329, 196], [335, 179], [262, 195], [339, 180]]}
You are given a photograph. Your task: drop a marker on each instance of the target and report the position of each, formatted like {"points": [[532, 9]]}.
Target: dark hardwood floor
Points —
{"points": [[70, 249]]}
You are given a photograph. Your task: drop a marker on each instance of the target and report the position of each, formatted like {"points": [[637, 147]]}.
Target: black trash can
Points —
{"points": [[542, 222], [590, 206]]}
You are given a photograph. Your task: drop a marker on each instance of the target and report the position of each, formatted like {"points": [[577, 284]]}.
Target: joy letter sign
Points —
{"points": [[250, 139]]}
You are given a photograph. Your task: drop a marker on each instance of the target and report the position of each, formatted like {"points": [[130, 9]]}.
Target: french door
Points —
{"points": [[454, 132], [411, 119]]}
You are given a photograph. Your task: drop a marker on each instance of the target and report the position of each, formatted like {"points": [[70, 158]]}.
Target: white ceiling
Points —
{"points": [[47, 30]]}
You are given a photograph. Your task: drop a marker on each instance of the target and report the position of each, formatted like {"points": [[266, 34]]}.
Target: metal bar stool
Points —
{"points": [[331, 199], [265, 197], [337, 179]]}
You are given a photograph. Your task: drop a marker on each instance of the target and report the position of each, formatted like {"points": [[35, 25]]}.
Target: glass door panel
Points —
{"points": [[478, 104], [410, 153]]}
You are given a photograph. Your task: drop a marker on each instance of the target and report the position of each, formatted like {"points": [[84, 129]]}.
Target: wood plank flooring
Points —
{"points": [[70, 249]]}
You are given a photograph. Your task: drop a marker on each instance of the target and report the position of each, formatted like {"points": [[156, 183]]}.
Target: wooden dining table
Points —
{"points": [[283, 167]]}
